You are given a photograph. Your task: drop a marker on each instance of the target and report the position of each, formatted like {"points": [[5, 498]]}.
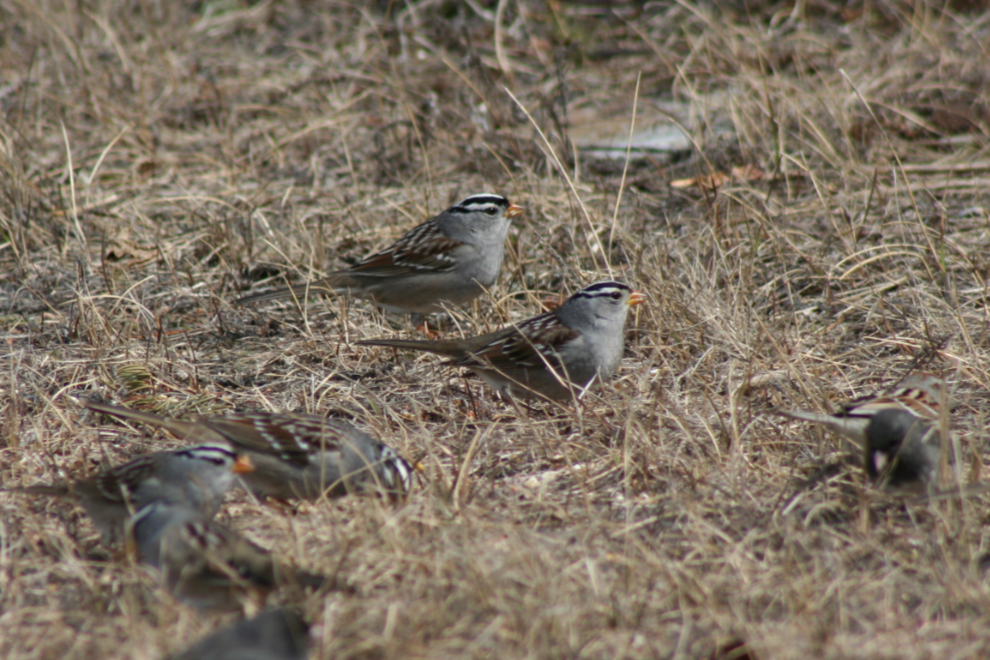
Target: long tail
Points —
{"points": [[176, 427], [853, 428], [330, 284], [446, 348]]}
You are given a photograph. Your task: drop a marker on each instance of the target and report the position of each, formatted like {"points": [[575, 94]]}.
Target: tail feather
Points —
{"points": [[818, 418], [445, 348], [853, 428], [177, 427]]}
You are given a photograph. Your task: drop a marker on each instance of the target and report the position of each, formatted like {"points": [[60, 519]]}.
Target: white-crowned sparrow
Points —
{"points": [[901, 448], [548, 355], [198, 476], [893, 429], [919, 394], [272, 635], [204, 563], [451, 258], [293, 455]]}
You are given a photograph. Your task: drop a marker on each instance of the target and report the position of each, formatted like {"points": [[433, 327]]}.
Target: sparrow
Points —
{"points": [[894, 429], [919, 394], [199, 475], [293, 455], [205, 564]]}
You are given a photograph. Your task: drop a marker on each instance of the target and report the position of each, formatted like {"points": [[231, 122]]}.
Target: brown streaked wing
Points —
{"points": [[261, 432], [516, 347], [113, 487], [424, 248], [918, 395], [316, 433]]}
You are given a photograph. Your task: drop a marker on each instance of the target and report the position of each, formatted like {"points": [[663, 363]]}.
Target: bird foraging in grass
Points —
{"points": [[206, 564], [919, 394], [293, 455], [198, 476], [449, 259], [893, 429], [555, 355]]}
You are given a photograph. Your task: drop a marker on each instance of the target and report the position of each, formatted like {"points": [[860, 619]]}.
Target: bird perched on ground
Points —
{"points": [[893, 429], [198, 476], [272, 635], [553, 355], [451, 258], [293, 455], [204, 563]]}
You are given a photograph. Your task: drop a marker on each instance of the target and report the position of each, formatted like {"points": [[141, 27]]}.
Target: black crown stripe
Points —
{"points": [[479, 200]]}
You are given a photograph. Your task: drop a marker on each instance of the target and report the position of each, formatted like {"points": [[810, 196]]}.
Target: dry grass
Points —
{"points": [[217, 144]]}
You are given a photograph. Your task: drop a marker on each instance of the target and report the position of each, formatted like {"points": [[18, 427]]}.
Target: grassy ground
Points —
{"points": [[159, 159]]}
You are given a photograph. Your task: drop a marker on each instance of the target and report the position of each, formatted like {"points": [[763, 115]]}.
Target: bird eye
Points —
{"points": [[615, 295], [491, 210]]}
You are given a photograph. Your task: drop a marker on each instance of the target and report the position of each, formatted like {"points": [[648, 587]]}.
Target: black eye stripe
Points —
{"points": [[598, 294]]}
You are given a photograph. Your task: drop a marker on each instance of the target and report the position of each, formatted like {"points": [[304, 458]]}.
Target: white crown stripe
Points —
{"points": [[600, 289], [209, 453]]}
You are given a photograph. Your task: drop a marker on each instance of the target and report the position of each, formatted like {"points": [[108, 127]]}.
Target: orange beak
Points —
{"points": [[636, 298], [513, 211], [243, 464]]}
